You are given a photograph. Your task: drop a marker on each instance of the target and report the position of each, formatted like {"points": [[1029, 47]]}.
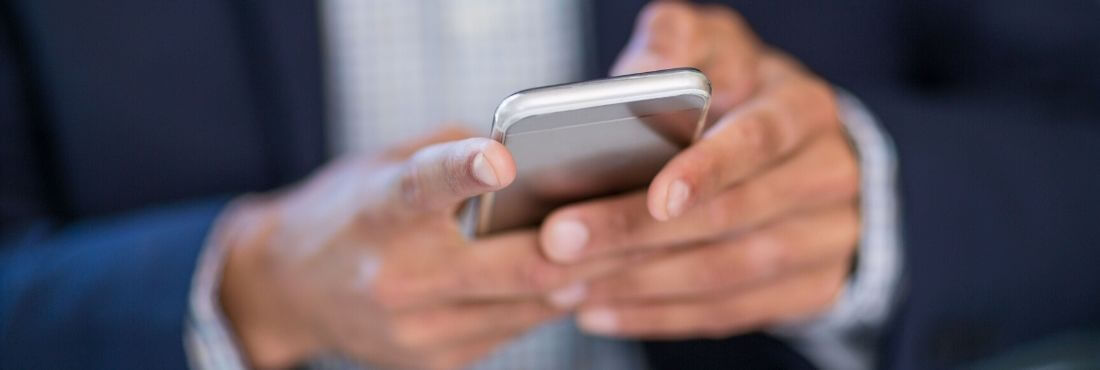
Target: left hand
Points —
{"points": [[756, 224]]}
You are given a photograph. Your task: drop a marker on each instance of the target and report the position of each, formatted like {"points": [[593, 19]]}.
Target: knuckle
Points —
{"points": [[699, 166], [410, 335], [387, 293], [538, 276], [468, 279], [463, 282], [748, 131], [619, 226], [745, 81], [830, 106], [842, 177], [821, 101], [736, 208], [826, 293], [410, 185], [712, 160], [729, 16], [667, 27], [847, 182], [457, 172], [630, 283], [849, 168], [767, 256], [710, 274], [759, 133], [721, 272], [658, 15], [723, 215]]}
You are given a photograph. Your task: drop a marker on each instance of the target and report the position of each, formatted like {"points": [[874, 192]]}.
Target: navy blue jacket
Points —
{"points": [[126, 126]]}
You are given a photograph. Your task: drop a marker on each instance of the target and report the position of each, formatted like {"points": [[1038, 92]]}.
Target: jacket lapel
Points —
{"points": [[284, 50]]}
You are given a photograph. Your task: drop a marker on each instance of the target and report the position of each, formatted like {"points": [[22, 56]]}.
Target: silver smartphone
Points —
{"points": [[582, 140]]}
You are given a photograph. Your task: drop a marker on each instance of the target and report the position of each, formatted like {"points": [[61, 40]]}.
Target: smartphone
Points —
{"points": [[588, 139]]}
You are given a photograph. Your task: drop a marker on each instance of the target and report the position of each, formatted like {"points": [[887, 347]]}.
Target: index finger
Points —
{"points": [[822, 175], [440, 176], [504, 267], [792, 109], [712, 38]]}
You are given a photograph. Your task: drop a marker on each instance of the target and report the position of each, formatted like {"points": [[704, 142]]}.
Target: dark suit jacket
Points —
{"points": [[125, 127]]}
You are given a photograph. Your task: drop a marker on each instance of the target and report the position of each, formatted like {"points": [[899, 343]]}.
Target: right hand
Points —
{"points": [[366, 259]]}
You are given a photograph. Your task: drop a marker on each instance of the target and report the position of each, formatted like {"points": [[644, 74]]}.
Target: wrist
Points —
{"points": [[268, 332]]}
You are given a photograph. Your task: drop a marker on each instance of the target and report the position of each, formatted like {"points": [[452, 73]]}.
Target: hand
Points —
{"points": [[365, 259], [755, 224]]}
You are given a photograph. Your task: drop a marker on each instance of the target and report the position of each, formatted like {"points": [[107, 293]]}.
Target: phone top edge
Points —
{"points": [[588, 94]]}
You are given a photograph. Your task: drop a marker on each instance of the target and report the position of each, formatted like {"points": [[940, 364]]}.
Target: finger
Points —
{"points": [[769, 128], [822, 174], [712, 38], [788, 300], [449, 132], [504, 267], [439, 176], [451, 325], [787, 247], [666, 35]]}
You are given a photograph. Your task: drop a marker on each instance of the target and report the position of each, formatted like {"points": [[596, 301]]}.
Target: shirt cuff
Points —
{"points": [[845, 337], [208, 339]]}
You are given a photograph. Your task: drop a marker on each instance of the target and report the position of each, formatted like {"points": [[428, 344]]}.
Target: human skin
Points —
{"points": [[754, 225], [365, 259]]}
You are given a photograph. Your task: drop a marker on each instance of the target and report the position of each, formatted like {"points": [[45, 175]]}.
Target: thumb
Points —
{"points": [[440, 176]]}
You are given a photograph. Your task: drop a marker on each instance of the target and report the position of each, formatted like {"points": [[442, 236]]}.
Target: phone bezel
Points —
{"points": [[525, 104]]}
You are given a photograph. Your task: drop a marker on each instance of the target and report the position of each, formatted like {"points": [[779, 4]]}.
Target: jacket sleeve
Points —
{"points": [[999, 197], [100, 293], [109, 293]]}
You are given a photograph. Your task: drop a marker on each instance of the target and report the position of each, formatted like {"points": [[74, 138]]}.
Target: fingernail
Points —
{"points": [[678, 194], [566, 240], [569, 296], [483, 171], [599, 321]]}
